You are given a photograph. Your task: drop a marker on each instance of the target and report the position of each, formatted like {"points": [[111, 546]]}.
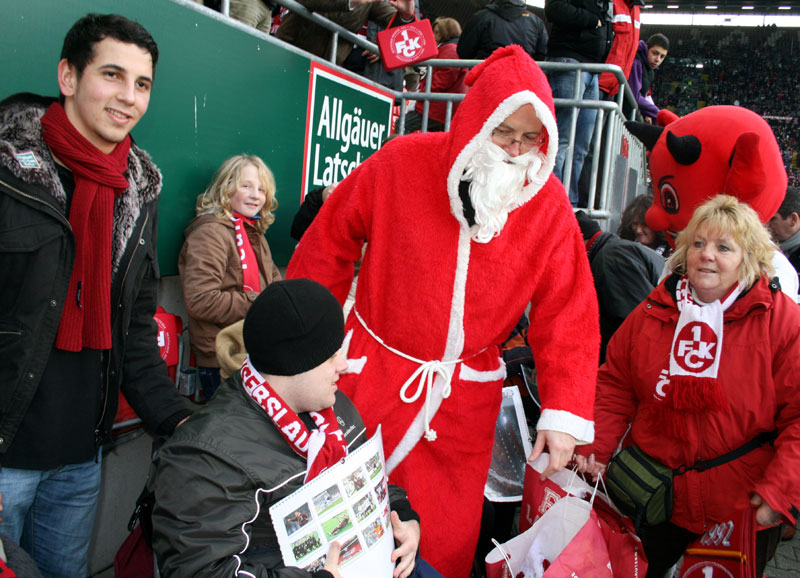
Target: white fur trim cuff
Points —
{"points": [[558, 420], [469, 374]]}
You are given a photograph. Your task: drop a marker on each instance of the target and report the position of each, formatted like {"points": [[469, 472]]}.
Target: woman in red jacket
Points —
{"points": [[708, 362]]}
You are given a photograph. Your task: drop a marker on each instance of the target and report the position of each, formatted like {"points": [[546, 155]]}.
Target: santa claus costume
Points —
{"points": [[433, 303]]}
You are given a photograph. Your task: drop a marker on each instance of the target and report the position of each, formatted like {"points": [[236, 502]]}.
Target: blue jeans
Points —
{"points": [[50, 514], [563, 86]]}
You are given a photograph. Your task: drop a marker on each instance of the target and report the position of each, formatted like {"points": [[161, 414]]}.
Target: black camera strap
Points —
{"points": [[701, 466]]}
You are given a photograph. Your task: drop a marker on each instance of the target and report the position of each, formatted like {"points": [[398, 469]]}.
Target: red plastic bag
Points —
{"points": [[407, 44], [728, 549], [539, 495], [134, 559], [624, 547], [565, 542]]}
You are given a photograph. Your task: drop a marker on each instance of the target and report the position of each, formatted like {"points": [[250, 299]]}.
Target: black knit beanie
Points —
{"points": [[293, 326], [589, 227]]}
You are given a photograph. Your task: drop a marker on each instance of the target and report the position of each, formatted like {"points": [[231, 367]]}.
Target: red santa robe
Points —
{"points": [[427, 292]]}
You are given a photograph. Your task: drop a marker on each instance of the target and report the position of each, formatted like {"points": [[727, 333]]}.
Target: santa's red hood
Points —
{"points": [[500, 85]]}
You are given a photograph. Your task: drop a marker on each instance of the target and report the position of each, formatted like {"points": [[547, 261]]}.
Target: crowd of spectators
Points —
{"points": [[751, 67]]}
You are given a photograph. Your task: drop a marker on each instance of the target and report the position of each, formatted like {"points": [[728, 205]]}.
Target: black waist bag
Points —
{"points": [[641, 487]]}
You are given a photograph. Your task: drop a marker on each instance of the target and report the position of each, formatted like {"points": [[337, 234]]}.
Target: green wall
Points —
{"points": [[219, 90]]}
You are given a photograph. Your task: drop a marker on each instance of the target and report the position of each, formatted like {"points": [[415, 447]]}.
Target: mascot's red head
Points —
{"points": [[717, 149]]}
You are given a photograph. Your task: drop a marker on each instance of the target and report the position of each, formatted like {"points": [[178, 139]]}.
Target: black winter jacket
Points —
{"points": [[37, 250], [625, 272], [236, 465], [502, 23], [574, 31]]}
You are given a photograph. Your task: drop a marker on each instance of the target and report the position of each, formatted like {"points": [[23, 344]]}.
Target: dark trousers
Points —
{"points": [[210, 380], [665, 544]]}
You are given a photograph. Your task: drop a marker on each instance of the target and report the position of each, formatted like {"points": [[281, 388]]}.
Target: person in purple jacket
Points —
{"points": [[650, 56]]}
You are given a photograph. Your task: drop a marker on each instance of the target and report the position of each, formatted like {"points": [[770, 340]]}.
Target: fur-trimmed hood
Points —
{"points": [[24, 154], [501, 84]]}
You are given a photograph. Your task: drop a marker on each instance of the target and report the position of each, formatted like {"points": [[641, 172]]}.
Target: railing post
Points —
{"points": [[334, 46], [402, 120], [426, 105]]}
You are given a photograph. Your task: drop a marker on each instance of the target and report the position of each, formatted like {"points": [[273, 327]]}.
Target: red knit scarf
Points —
{"points": [[250, 278], [321, 448], [99, 179]]}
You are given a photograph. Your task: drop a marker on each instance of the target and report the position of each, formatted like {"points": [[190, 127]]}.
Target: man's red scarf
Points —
{"points": [[321, 448], [250, 277], [99, 179]]}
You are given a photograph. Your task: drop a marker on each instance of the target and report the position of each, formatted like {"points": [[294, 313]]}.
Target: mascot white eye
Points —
{"points": [[669, 198]]}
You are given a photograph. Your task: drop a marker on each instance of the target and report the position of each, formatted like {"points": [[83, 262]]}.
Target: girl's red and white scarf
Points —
{"points": [[250, 277], [321, 448]]}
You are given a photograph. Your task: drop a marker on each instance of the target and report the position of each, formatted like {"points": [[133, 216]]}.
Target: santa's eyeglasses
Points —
{"points": [[504, 137]]}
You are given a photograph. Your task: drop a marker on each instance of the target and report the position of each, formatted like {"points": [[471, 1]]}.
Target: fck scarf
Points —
{"points": [[694, 360], [321, 448], [697, 342], [250, 278], [99, 179]]}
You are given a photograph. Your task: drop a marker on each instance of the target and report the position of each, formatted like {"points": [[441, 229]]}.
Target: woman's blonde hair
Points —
{"points": [[217, 197], [726, 216]]}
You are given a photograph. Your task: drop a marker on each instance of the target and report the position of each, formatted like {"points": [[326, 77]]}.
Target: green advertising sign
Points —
{"points": [[347, 120]]}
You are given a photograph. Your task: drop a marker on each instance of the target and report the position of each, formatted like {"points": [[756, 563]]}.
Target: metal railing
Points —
{"points": [[618, 163]]}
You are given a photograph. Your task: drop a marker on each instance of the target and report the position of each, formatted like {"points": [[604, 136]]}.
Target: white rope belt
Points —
{"points": [[426, 372]]}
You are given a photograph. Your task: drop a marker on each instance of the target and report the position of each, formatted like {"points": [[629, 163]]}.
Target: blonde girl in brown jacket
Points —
{"points": [[225, 261]]}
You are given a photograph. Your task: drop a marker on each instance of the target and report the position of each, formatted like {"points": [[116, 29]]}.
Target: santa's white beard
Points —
{"points": [[496, 184]]}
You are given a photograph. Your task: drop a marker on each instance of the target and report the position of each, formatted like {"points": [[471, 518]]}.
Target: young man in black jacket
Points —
{"points": [[251, 446], [78, 286]]}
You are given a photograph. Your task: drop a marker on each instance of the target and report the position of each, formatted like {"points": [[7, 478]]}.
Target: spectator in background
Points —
{"points": [[450, 80], [225, 261], [624, 46], [350, 14], [624, 275], [255, 13], [581, 32], [501, 23], [632, 226], [785, 226], [369, 64], [650, 56]]}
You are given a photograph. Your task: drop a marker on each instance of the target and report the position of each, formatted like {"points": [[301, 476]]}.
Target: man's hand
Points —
{"points": [[326, 192], [561, 447], [404, 7], [765, 516], [371, 57], [589, 466], [332, 561], [406, 536]]}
